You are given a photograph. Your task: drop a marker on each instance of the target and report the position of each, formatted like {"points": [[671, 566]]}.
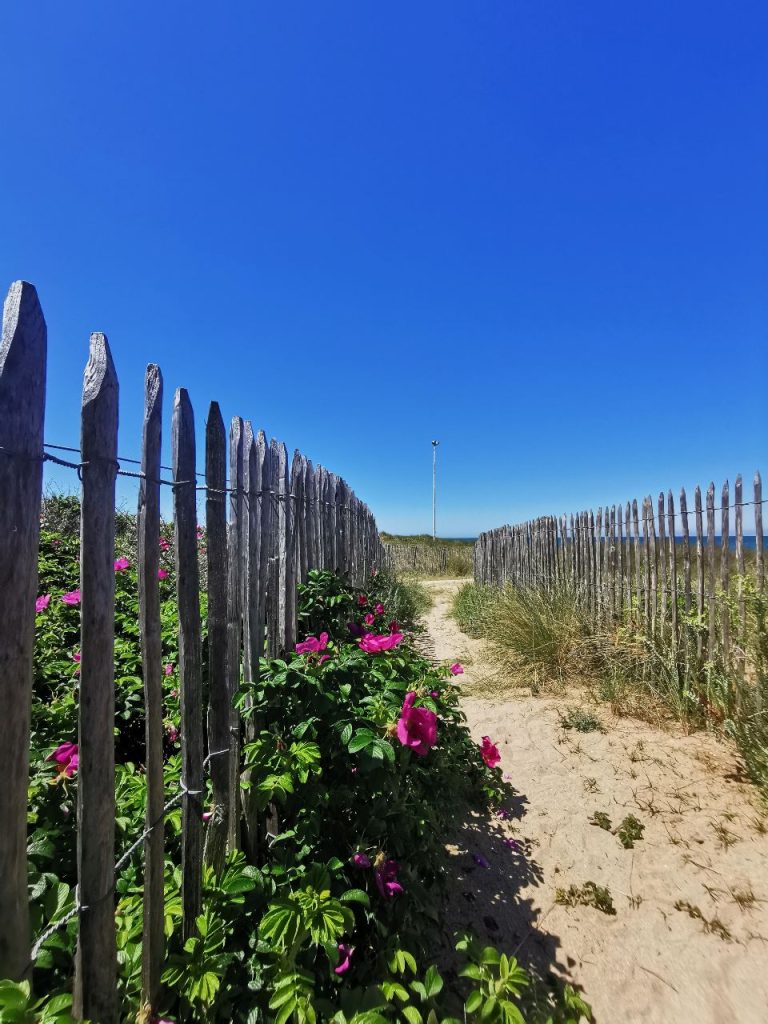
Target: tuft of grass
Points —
{"points": [[588, 895], [405, 600], [472, 607], [713, 926], [581, 720], [724, 834]]}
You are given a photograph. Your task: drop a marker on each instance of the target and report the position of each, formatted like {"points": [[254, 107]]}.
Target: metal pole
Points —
{"points": [[434, 489]]}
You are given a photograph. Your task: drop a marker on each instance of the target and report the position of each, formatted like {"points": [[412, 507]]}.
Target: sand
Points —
{"points": [[689, 940]]}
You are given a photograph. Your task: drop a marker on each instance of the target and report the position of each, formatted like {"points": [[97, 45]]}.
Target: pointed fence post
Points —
{"points": [[219, 736], [95, 988], [22, 409], [190, 657], [153, 941]]}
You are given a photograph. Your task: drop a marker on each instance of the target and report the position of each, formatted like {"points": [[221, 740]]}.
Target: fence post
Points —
{"points": [[190, 657], [95, 988], [22, 410], [758, 496], [234, 620], [219, 736], [151, 657]]}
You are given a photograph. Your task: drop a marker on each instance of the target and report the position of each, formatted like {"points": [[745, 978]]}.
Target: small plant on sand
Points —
{"points": [[630, 831], [601, 819], [581, 720], [588, 895]]}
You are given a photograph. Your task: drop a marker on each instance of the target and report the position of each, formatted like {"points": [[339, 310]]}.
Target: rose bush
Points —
{"points": [[354, 741]]}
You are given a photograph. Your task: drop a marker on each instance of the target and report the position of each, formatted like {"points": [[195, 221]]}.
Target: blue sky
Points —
{"points": [[535, 231]]}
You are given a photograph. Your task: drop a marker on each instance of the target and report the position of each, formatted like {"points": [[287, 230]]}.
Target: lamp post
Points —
{"points": [[434, 488]]}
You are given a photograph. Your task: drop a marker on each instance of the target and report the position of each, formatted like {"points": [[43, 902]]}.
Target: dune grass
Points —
{"points": [[541, 637]]}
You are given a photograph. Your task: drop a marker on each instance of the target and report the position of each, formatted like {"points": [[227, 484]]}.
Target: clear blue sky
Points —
{"points": [[533, 230]]}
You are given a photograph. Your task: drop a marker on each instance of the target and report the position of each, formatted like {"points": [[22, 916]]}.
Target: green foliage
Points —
{"points": [[588, 895], [630, 831], [601, 819], [581, 720], [304, 934]]}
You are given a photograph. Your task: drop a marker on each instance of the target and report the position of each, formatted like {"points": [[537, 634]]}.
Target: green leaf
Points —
{"points": [[473, 1002], [433, 982], [412, 1015], [356, 896]]}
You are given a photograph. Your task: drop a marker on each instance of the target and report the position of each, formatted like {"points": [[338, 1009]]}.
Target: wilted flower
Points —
{"points": [[417, 727], [456, 669], [361, 860], [490, 752], [66, 756], [42, 603], [169, 669], [172, 733], [362, 600], [72, 598], [393, 626], [386, 878], [355, 629], [345, 953], [375, 644], [313, 644], [121, 564]]}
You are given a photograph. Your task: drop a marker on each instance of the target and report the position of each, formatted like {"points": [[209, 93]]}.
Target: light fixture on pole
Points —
{"points": [[434, 488]]}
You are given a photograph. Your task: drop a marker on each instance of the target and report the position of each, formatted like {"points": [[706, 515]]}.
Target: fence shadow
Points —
{"points": [[488, 870]]}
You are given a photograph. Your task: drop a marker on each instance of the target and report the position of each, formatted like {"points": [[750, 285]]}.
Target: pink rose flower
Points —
{"points": [[206, 815], [417, 727], [369, 619], [121, 564], [361, 860], [345, 953], [490, 752], [386, 879], [322, 658], [42, 603], [162, 574], [355, 629], [313, 644], [72, 598], [169, 669], [456, 669], [164, 545], [379, 609], [376, 644], [66, 756], [362, 600], [172, 733]]}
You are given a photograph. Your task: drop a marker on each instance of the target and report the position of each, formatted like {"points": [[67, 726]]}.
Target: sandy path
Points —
{"points": [[705, 848]]}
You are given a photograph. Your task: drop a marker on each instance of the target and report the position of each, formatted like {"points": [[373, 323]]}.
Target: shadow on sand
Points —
{"points": [[488, 865]]}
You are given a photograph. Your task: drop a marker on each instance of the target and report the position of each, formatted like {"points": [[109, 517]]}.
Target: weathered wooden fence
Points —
{"points": [[429, 559], [268, 524], [653, 564]]}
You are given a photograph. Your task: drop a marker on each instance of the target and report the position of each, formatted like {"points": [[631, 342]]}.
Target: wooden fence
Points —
{"points": [[653, 564], [429, 559], [268, 523]]}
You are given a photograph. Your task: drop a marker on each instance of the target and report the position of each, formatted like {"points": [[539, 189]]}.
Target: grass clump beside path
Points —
{"points": [[539, 637]]}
